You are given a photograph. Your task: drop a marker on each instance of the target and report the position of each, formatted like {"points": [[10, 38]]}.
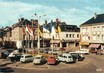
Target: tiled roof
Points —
{"points": [[99, 19]]}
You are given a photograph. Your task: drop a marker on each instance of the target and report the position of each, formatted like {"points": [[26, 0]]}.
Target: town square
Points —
{"points": [[51, 36]]}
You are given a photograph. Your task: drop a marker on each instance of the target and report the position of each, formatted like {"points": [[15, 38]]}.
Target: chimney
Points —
{"points": [[32, 21], [19, 20], [22, 19], [57, 20], [36, 22], [95, 15], [45, 22]]}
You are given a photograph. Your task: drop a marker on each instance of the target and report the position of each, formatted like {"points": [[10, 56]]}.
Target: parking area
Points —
{"points": [[59, 65]]}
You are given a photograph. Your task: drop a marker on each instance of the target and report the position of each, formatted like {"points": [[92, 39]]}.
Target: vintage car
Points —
{"points": [[51, 59]]}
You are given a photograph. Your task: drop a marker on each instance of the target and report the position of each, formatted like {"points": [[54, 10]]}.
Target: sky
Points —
{"points": [[73, 12]]}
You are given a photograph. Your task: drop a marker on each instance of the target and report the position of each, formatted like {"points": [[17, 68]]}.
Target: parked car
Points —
{"points": [[62, 49], [13, 53], [26, 58], [77, 56], [5, 54], [16, 57], [46, 50], [39, 59], [51, 59], [93, 50], [100, 52], [66, 57], [53, 51], [83, 51]]}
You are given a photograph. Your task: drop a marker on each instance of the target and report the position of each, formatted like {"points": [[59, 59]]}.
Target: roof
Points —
{"points": [[26, 55], [69, 28], [64, 27], [23, 23], [99, 19]]}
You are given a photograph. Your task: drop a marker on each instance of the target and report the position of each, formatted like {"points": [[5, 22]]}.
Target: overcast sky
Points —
{"points": [[74, 12]]}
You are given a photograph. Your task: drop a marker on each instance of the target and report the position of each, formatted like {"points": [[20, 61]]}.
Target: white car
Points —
{"points": [[13, 53], [53, 51], [83, 51], [26, 58], [66, 57], [39, 59]]}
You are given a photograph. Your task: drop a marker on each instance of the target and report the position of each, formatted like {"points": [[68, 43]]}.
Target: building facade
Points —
{"points": [[92, 32], [68, 37]]}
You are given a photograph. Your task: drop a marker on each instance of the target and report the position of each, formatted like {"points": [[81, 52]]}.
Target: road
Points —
{"points": [[96, 65]]}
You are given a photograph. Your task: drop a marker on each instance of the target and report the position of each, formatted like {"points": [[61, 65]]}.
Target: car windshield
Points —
{"points": [[51, 57], [22, 56], [69, 56], [37, 57], [27, 56]]}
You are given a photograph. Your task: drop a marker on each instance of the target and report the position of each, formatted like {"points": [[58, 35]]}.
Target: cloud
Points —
{"points": [[93, 9], [11, 11]]}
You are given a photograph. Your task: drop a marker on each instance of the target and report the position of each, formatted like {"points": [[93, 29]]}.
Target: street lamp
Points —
{"points": [[38, 17]]}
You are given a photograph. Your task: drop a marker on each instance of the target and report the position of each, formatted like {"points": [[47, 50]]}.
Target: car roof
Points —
{"points": [[51, 56], [38, 56], [26, 55], [67, 54]]}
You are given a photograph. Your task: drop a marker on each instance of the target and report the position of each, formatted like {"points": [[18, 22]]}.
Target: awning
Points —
{"points": [[94, 45], [55, 41], [84, 43]]}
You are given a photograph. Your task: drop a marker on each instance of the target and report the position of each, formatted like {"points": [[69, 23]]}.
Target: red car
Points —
{"points": [[51, 59], [93, 50]]}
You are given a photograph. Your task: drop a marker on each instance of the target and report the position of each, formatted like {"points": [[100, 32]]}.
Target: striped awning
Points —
{"points": [[94, 45]]}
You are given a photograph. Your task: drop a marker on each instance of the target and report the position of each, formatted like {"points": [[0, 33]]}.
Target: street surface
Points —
{"points": [[92, 64]]}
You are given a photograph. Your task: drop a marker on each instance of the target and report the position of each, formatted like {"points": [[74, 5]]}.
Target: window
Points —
{"points": [[77, 35], [98, 26], [67, 35], [102, 28], [94, 37], [73, 36], [98, 36], [94, 27], [28, 56], [102, 37], [65, 56], [69, 56]]}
